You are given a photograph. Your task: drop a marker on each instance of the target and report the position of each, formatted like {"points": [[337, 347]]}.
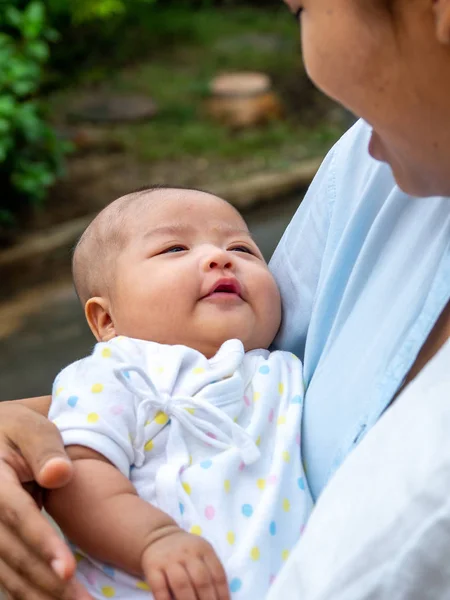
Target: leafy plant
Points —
{"points": [[30, 152]]}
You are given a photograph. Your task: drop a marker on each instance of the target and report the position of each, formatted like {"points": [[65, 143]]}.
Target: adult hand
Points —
{"points": [[35, 563]]}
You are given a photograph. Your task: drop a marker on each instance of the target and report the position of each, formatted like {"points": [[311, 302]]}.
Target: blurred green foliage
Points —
{"points": [[30, 153]]}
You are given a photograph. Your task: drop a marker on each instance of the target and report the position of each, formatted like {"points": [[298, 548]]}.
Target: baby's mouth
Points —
{"points": [[225, 286]]}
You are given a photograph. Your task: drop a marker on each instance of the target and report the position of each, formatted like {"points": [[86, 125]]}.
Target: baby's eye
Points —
{"points": [[173, 249], [241, 249]]}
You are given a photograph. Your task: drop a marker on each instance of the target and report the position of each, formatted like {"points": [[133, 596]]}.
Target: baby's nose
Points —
{"points": [[218, 259]]}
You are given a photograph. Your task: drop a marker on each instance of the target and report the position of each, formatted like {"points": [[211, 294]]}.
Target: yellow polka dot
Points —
{"points": [[58, 391], [191, 411], [235, 419], [186, 488], [147, 423], [227, 485], [142, 585], [160, 370], [231, 538], [261, 483], [280, 388], [254, 553], [285, 554], [286, 456], [120, 338], [97, 388], [198, 370], [286, 505], [92, 418], [281, 420], [108, 591], [258, 440], [191, 460], [161, 418], [196, 530], [106, 352], [148, 446], [256, 396]]}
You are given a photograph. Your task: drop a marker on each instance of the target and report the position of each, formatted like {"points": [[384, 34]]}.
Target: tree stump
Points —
{"points": [[241, 100]]}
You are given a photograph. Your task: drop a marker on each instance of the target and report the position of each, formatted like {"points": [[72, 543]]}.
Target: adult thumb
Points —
{"points": [[39, 443]]}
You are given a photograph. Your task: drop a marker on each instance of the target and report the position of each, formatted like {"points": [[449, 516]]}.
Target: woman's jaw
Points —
{"points": [[392, 68]]}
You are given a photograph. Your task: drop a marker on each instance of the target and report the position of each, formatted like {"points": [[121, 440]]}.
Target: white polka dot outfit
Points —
{"points": [[214, 443]]}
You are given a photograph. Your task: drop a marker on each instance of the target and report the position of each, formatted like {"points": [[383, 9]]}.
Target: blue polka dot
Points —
{"points": [[264, 370], [273, 528], [296, 400], [206, 464], [72, 401], [301, 483], [247, 510], [109, 571], [235, 584], [181, 508], [126, 374]]}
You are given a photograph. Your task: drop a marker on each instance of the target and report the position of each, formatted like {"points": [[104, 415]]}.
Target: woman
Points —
{"points": [[364, 269]]}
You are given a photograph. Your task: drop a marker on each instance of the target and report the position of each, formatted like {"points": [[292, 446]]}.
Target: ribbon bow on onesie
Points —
{"points": [[179, 408]]}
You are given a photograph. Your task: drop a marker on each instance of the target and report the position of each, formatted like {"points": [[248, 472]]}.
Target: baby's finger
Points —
{"points": [[158, 584], [201, 579], [218, 575], [180, 583]]}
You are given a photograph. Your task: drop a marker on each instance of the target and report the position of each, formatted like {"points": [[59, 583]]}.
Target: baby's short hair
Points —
{"points": [[95, 253]]}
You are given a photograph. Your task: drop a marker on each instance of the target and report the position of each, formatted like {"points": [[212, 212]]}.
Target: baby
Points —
{"points": [[183, 428]]}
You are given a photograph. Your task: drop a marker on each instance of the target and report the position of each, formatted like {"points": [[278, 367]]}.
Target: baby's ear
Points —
{"points": [[98, 315], [442, 18]]}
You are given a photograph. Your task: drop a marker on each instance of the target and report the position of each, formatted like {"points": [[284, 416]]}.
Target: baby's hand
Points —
{"points": [[184, 566]]}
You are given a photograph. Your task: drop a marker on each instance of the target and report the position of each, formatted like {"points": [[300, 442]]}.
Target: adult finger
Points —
{"points": [[201, 579], [180, 583], [39, 443], [21, 517], [18, 588], [158, 584], [218, 576], [30, 567]]}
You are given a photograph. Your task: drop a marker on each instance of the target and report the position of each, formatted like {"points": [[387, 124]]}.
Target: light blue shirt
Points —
{"points": [[364, 272]]}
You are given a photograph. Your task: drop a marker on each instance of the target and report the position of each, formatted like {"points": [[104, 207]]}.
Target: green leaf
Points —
{"points": [[38, 50], [33, 22], [13, 17]]}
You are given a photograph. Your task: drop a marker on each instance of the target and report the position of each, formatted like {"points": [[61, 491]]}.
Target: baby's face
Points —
{"points": [[192, 275]]}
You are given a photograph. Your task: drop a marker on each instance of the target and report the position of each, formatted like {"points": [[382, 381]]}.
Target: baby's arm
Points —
{"points": [[100, 511]]}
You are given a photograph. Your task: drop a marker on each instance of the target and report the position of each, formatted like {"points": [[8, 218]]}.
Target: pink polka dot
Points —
{"points": [[297, 439], [91, 578], [302, 529], [247, 401], [117, 410], [271, 415], [271, 579], [272, 479], [212, 436], [210, 512], [242, 466]]}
